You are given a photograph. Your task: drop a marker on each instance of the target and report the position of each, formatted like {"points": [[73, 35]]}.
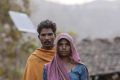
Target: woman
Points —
{"points": [[66, 63]]}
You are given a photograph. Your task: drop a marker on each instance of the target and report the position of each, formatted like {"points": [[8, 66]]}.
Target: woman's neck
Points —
{"points": [[66, 60], [69, 64]]}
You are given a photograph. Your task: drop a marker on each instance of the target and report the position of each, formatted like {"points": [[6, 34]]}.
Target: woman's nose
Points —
{"points": [[64, 46]]}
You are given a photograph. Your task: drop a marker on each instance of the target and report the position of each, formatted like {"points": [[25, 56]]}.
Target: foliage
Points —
{"points": [[14, 49]]}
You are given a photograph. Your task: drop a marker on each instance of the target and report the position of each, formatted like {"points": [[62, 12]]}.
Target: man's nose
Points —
{"points": [[46, 37]]}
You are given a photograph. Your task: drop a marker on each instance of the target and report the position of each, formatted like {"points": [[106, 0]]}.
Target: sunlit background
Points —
{"points": [[85, 17], [71, 2]]}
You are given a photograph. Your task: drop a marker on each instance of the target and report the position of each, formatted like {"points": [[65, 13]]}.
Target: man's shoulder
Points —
{"points": [[31, 56]]}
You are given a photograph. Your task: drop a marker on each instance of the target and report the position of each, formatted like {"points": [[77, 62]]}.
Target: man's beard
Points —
{"points": [[48, 45]]}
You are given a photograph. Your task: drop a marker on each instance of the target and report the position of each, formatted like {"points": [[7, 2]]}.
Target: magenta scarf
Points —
{"points": [[55, 69]]}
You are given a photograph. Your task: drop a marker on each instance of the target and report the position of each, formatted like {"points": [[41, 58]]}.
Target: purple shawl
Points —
{"points": [[55, 69]]}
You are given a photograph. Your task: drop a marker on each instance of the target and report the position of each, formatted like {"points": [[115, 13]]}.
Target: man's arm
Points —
{"points": [[29, 73]]}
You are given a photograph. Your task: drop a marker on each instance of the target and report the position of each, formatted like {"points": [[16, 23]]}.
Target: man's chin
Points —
{"points": [[48, 46]]}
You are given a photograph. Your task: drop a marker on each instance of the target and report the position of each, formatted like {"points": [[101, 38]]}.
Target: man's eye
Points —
{"points": [[42, 34], [50, 34]]}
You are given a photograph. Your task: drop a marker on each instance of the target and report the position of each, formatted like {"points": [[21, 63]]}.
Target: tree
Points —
{"points": [[13, 47]]}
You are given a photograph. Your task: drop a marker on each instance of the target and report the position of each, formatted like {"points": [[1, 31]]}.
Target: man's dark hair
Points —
{"points": [[46, 24]]}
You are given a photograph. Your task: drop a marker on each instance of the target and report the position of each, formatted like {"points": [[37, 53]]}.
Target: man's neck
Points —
{"points": [[50, 48]]}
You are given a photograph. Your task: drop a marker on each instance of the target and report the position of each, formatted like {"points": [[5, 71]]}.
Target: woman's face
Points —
{"points": [[64, 48]]}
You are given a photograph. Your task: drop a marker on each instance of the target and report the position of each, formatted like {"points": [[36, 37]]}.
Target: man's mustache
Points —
{"points": [[47, 42], [64, 51]]}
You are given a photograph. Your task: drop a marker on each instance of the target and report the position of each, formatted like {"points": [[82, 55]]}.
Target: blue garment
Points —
{"points": [[80, 72]]}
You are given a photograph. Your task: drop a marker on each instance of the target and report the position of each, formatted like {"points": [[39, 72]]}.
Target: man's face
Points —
{"points": [[64, 48], [47, 37]]}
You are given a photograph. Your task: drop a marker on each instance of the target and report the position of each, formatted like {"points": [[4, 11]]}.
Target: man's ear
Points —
{"points": [[38, 36], [55, 35]]}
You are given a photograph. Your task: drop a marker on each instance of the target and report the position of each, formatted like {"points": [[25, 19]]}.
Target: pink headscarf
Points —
{"points": [[55, 69]]}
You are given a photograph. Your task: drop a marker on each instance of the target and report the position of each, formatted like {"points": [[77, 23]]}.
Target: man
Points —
{"points": [[66, 64], [34, 66]]}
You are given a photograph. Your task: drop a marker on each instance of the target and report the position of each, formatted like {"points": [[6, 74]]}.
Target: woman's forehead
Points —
{"points": [[63, 40]]}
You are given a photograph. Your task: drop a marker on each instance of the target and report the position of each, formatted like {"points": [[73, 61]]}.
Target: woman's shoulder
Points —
{"points": [[81, 66]]}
